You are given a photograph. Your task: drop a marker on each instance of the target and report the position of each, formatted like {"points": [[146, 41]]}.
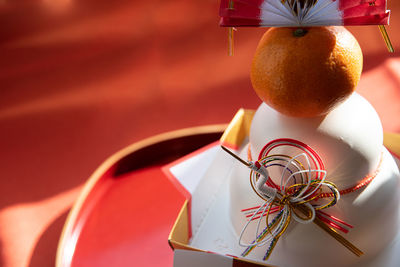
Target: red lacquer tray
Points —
{"points": [[127, 207]]}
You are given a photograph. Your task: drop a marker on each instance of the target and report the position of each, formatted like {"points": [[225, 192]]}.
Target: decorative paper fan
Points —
{"points": [[306, 13], [264, 13]]}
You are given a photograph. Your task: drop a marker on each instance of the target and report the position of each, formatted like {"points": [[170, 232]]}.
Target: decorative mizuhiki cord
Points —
{"points": [[364, 182], [302, 194]]}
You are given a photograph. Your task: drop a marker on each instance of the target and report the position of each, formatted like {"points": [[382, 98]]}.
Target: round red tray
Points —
{"points": [[127, 207]]}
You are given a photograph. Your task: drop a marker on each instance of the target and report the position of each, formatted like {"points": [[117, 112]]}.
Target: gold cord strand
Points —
{"points": [[230, 41], [230, 32], [338, 237], [334, 234], [386, 38]]}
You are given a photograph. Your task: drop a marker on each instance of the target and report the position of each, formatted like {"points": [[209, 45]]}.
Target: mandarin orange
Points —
{"points": [[305, 72]]}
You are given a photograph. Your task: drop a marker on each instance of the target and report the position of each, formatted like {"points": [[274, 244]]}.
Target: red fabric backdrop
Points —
{"points": [[80, 80]]}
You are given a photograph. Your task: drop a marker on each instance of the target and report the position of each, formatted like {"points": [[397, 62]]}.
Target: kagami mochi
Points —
{"points": [[322, 189], [305, 181]]}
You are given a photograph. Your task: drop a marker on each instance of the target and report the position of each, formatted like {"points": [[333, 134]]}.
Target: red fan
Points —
{"points": [[294, 13], [264, 13]]}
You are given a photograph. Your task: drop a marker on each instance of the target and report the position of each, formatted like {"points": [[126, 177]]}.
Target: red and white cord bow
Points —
{"points": [[298, 197]]}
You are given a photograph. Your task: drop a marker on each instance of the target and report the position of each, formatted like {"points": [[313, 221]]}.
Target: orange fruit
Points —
{"points": [[305, 72]]}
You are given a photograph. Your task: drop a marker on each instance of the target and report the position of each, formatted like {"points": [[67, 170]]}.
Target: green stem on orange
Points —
{"points": [[300, 32]]}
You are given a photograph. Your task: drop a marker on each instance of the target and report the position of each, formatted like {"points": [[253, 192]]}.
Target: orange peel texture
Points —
{"points": [[305, 72]]}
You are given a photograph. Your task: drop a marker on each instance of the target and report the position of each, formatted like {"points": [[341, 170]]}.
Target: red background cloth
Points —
{"points": [[82, 79]]}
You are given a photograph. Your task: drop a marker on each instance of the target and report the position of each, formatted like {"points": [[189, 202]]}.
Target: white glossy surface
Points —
{"points": [[348, 139]]}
